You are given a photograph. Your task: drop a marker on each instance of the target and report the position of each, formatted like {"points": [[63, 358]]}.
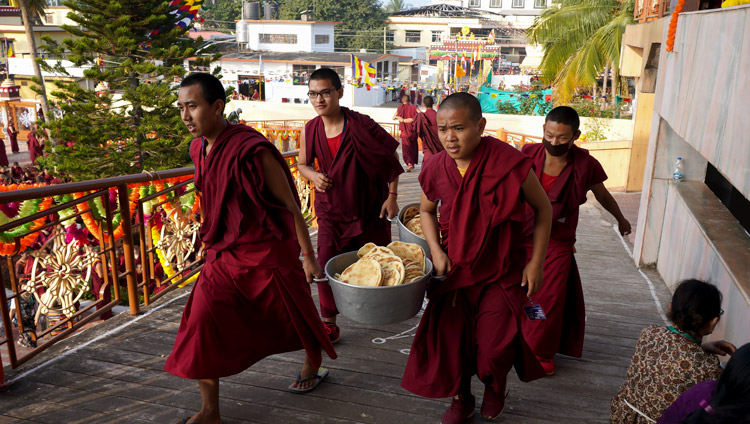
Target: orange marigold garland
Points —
{"points": [[673, 25], [17, 210]]}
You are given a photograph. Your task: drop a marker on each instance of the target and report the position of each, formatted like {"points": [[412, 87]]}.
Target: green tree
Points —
{"points": [[30, 11], [131, 124], [580, 39], [221, 14], [396, 6], [362, 20]]}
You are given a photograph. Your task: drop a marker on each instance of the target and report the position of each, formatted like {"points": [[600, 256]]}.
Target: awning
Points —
{"points": [[531, 62]]}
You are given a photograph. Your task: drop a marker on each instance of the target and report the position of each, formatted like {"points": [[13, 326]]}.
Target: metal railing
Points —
{"points": [[649, 10], [137, 235]]}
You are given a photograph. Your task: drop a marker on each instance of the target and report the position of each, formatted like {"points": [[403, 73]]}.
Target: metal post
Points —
{"points": [[127, 247]]}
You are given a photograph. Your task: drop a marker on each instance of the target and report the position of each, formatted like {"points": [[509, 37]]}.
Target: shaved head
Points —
{"points": [[464, 101]]}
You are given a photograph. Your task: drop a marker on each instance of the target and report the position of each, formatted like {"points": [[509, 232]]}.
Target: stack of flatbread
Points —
{"points": [[412, 222], [378, 266]]}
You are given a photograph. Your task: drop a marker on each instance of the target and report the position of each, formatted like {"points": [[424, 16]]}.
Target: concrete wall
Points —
{"points": [[700, 114]]}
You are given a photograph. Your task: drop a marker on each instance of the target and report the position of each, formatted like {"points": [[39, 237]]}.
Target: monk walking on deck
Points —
{"points": [[567, 173], [426, 127], [356, 180], [35, 147], [12, 135], [472, 324], [251, 299], [405, 115]]}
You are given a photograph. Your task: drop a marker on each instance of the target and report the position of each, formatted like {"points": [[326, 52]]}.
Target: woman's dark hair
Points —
{"points": [[731, 402], [428, 101], [694, 304]]}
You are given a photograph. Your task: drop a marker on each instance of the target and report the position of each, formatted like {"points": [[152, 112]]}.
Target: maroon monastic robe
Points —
{"points": [[251, 299], [349, 212], [16, 172], [409, 145], [426, 127], [13, 138], [35, 148], [3, 154], [561, 295], [472, 323]]}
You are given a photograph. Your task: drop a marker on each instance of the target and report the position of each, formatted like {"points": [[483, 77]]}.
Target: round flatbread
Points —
{"points": [[393, 273], [415, 226], [364, 272], [410, 213], [379, 250], [366, 248], [409, 251]]}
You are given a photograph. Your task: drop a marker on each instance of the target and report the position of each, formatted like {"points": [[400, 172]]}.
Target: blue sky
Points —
{"points": [[418, 3]]}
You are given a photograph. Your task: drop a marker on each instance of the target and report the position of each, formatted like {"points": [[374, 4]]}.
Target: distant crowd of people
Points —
{"points": [[30, 174]]}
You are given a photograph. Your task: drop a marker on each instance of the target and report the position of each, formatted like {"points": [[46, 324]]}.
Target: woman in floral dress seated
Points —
{"points": [[669, 360]]}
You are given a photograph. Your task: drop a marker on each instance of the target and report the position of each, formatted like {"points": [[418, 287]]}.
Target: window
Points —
{"points": [[322, 38], [540, 4], [475, 3], [301, 74], [339, 70], [496, 3], [390, 36], [394, 69], [518, 4], [49, 18], [436, 36], [278, 38], [413, 36]]}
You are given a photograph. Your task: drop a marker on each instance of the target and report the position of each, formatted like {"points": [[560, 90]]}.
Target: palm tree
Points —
{"points": [[396, 6], [30, 10], [580, 38]]}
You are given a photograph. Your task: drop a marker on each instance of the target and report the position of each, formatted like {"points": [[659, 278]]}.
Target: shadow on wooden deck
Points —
{"points": [[113, 373]]}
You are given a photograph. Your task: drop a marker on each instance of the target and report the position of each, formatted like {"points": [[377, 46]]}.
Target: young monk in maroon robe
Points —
{"points": [[426, 127], [472, 324], [35, 147], [567, 173], [356, 181], [12, 133], [251, 299], [405, 115]]}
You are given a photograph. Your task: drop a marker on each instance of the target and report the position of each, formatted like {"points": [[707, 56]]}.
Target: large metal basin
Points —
{"points": [[405, 235], [375, 305]]}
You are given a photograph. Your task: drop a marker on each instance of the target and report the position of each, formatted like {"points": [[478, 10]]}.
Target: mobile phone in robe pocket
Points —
{"points": [[534, 311]]}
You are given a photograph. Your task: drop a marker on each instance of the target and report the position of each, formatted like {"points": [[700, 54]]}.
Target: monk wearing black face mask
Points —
{"points": [[567, 173]]}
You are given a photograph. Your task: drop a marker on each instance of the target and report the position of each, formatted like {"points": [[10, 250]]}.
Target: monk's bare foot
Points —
{"points": [[205, 417], [307, 371]]}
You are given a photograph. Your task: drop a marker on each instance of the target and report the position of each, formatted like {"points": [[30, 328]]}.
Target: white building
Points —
{"points": [[519, 13], [438, 25], [285, 36], [285, 75]]}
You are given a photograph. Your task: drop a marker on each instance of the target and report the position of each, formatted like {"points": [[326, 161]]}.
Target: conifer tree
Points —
{"points": [[123, 120]]}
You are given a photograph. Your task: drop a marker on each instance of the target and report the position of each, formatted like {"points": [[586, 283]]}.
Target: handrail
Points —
{"points": [[517, 139], [119, 234]]}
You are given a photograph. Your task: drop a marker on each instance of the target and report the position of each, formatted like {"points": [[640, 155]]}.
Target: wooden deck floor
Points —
{"points": [[113, 372]]}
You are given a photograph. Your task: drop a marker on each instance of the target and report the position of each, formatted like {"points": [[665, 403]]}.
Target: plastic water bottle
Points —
{"points": [[677, 175]]}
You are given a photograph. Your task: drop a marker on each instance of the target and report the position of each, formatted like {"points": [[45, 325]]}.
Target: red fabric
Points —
{"points": [[3, 154], [35, 149], [349, 212], [16, 172], [561, 295], [409, 145], [250, 300], [548, 181], [13, 138], [333, 144], [426, 128], [472, 321], [568, 192]]}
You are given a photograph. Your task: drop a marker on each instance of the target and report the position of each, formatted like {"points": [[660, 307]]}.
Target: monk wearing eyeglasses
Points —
{"points": [[356, 179]]}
